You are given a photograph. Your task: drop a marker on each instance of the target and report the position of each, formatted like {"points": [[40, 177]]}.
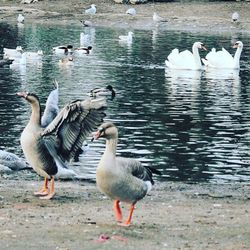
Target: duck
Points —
{"points": [[107, 91], [186, 59], [223, 59], [121, 179], [12, 53], [83, 50], [48, 149], [91, 10], [63, 50], [127, 38]]}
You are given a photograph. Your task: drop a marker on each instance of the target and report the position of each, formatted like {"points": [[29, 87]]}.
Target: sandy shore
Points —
{"points": [[175, 215]]}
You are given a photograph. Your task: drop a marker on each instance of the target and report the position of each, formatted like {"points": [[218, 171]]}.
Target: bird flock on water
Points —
{"points": [[54, 138]]}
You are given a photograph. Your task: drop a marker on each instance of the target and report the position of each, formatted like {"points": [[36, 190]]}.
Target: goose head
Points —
{"points": [[31, 98], [107, 130]]}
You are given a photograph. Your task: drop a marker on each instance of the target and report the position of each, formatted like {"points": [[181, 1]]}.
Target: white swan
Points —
{"points": [[223, 59], [185, 59]]}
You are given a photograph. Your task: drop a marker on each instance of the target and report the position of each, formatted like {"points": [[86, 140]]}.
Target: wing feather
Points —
{"points": [[74, 123]]}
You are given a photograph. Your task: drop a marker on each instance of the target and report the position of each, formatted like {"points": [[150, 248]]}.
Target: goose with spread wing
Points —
{"points": [[121, 179], [222, 59], [47, 149], [186, 59]]}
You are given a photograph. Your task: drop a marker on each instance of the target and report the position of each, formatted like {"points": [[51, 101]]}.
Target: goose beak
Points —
{"points": [[22, 94], [96, 135]]}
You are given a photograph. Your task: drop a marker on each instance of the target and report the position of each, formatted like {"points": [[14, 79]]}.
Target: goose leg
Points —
{"points": [[128, 221], [44, 190], [52, 192], [118, 211]]}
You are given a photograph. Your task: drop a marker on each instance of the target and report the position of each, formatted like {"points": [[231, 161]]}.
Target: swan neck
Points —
{"points": [[237, 56], [196, 55]]}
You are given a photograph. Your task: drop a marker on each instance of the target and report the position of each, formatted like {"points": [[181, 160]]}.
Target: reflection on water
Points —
{"points": [[192, 125]]}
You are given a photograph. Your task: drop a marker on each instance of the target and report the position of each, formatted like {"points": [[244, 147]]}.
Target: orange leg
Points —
{"points": [[118, 211], [44, 190], [128, 221], [52, 192]]}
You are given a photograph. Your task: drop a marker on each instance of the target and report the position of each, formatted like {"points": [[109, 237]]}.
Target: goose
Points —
{"points": [[186, 59], [223, 59], [107, 91], [12, 161], [127, 38], [47, 149], [60, 50], [20, 18], [121, 179], [83, 50], [12, 53], [91, 10]]}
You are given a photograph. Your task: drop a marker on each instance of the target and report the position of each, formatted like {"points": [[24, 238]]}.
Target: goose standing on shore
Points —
{"points": [[46, 150], [223, 59], [121, 179], [186, 59]]}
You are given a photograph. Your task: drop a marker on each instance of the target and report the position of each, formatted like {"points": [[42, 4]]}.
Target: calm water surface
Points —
{"points": [[193, 126]]}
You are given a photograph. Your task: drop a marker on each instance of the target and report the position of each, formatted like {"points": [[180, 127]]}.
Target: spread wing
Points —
{"points": [[74, 123]]}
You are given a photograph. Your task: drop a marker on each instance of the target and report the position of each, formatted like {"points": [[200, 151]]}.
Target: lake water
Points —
{"points": [[193, 126]]}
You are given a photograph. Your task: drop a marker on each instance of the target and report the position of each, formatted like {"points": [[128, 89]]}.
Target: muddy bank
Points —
{"points": [[192, 16]]}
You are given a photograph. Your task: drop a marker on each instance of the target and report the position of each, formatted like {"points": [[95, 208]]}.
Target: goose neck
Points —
{"points": [[111, 145], [35, 117]]}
